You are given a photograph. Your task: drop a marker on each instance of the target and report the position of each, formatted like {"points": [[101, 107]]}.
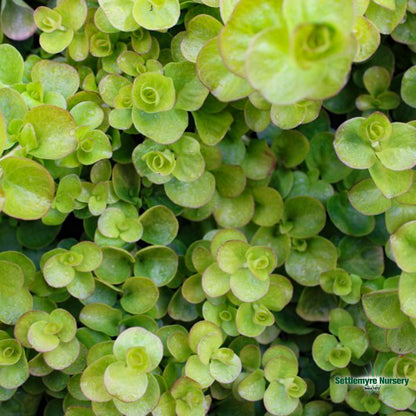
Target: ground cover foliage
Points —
{"points": [[207, 207]]}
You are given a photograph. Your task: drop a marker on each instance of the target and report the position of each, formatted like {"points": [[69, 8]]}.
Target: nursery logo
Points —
{"points": [[372, 381]]}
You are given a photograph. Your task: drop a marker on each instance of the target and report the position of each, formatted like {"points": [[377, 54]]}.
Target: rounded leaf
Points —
{"points": [[28, 188]]}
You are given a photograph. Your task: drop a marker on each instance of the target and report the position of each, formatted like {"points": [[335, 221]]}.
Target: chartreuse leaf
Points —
{"points": [[11, 64], [253, 386], [92, 379], [235, 212], [252, 319], [120, 14], [277, 400], [199, 30], [15, 375], [212, 132], [403, 245], [193, 194], [153, 92], [149, 346], [190, 92], [225, 365], [398, 152], [366, 198], [145, 404], [386, 15], [368, 38], [351, 148], [391, 183], [124, 382], [27, 188], [215, 282], [139, 295], [383, 308], [56, 77], [54, 132], [10, 352], [64, 355], [156, 14], [222, 83], [153, 125], [408, 86], [160, 225], [246, 20]]}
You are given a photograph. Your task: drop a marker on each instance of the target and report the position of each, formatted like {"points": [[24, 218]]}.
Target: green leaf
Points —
{"points": [[306, 266], [351, 148], [235, 212], [54, 130], [120, 15], [63, 356], [247, 287], [396, 397], [154, 125], [15, 375], [253, 386], [225, 365], [391, 183], [277, 401], [196, 370], [56, 41], [156, 14], [153, 92], [139, 295], [10, 352], [158, 263], [383, 309], [303, 216], [190, 92], [222, 83], [408, 86], [139, 337], [145, 404], [403, 246], [191, 194], [252, 319], [92, 379], [56, 77], [215, 282], [212, 128], [160, 225], [116, 265], [398, 152], [346, 218], [355, 339], [88, 113], [101, 317], [246, 20], [315, 305], [28, 188], [366, 198], [199, 30], [11, 64], [125, 383], [386, 19]]}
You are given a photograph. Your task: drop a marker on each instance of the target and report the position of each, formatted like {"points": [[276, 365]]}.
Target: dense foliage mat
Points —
{"points": [[207, 207]]}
